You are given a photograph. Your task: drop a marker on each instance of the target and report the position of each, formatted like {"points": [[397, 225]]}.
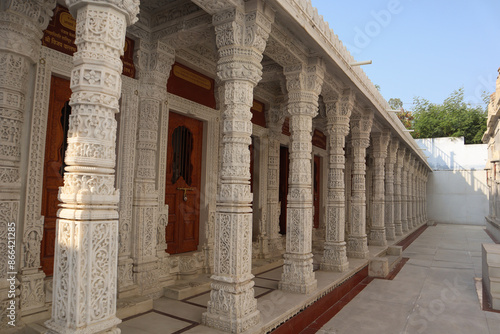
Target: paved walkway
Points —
{"points": [[435, 292]]}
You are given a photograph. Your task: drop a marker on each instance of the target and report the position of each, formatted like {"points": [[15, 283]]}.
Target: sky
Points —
{"points": [[424, 48]]}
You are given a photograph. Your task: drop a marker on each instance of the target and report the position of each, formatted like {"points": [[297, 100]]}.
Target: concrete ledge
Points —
{"points": [[378, 267], [395, 250], [491, 273], [128, 307]]}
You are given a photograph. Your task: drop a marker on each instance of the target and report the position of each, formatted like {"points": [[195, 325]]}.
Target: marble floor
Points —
{"points": [[435, 292]]}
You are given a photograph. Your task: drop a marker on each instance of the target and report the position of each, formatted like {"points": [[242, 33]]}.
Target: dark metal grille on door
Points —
{"points": [[182, 145], [65, 112]]}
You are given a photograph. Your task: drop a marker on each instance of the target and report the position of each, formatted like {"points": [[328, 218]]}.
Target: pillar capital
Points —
{"points": [[380, 143], [21, 26], [361, 125], [241, 37], [154, 61], [339, 108], [129, 8], [303, 83]]}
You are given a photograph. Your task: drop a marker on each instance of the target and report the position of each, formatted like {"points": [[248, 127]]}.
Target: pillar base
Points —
{"points": [[377, 237], [335, 257], [276, 246], [390, 232], [298, 275], [404, 226], [238, 311], [106, 326], [357, 247], [399, 229]]}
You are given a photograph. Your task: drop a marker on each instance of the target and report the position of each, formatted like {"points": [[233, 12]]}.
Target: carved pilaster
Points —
{"points": [[154, 64], [398, 172], [390, 226], [338, 113], [85, 268], [304, 85], [380, 142], [21, 26], [411, 193], [404, 190], [275, 118], [361, 125], [241, 38]]}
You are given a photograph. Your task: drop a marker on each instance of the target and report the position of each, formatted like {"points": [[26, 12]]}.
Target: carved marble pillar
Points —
{"points": [[232, 306], [303, 83], [411, 193], [418, 206], [404, 190], [21, 26], [426, 176], [85, 265], [380, 142], [275, 118], [338, 113], [398, 172], [154, 63], [391, 229], [361, 125]]}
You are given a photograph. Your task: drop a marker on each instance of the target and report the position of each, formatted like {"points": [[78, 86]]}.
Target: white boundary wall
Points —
{"points": [[456, 191]]}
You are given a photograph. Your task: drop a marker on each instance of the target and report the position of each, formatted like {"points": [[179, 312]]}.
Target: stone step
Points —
{"points": [[495, 285], [127, 307], [187, 288], [495, 301], [381, 266]]}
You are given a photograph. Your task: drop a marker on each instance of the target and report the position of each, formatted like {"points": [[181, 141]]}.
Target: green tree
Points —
{"points": [[405, 116], [453, 118]]}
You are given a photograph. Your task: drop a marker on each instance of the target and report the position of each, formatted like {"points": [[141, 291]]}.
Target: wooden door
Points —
{"points": [[316, 189], [182, 193], [53, 171], [283, 187]]}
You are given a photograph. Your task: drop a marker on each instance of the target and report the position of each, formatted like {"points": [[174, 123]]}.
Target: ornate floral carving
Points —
{"points": [[338, 111], [380, 142], [360, 139], [303, 83], [86, 253], [240, 39], [392, 229]]}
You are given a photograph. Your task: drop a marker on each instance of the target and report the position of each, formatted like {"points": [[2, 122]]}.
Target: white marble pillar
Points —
{"points": [[154, 61], [426, 179], [21, 26], [412, 190], [391, 229], [419, 194], [398, 172], [232, 306], [303, 83], [85, 268], [338, 112], [361, 124], [404, 190], [275, 118], [380, 142]]}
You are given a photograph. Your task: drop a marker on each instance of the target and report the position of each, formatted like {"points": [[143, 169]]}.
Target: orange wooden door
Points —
{"points": [[283, 187], [316, 189], [182, 193], [55, 147]]}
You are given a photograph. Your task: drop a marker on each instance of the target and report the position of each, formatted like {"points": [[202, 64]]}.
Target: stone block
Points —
{"points": [[395, 250], [128, 307], [491, 273], [378, 267]]}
